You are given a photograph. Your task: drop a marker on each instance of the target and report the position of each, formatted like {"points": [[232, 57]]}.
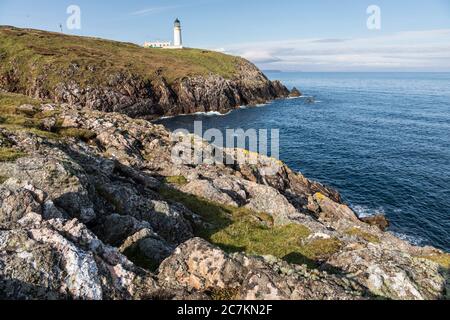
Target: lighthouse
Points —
{"points": [[177, 39]]}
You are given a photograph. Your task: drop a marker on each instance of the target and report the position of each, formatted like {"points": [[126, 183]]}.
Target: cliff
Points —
{"points": [[122, 77], [93, 207]]}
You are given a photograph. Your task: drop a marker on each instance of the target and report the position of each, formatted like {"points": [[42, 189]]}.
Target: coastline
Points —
{"points": [[98, 203], [403, 219], [281, 222]]}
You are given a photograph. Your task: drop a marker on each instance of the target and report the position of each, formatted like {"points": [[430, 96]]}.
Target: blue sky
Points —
{"points": [[297, 35]]}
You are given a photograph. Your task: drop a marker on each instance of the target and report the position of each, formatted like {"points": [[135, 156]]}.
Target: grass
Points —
{"points": [[243, 230], [13, 118], [10, 154], [3, 179], [227, 294], [442, 259], [9, 101], [29, 54], [356, 232], [82, 134], [177, 180]]}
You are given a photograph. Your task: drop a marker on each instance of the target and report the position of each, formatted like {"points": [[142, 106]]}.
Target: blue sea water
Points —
{"points": [[381, 139]]}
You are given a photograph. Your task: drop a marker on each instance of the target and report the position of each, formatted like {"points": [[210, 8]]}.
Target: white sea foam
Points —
{"points": [[364, 212], [166, 117], [414, 240], [210, 113], [207, 114]]}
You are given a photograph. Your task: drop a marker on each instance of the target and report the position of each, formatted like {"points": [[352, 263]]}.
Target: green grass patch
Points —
{"points": [[442, 259], [10, 154], [9, 101], [215, 214], [227, 294], [15, 118], [243, 230], [29, 54], [82, 134], [356, 232], [319, 249], [177, 180], [42, 133], [3, 179]]}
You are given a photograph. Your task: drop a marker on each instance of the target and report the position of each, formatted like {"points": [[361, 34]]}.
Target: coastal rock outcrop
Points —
{"points": [[377, 220], [98, 209], [62, 259], [197, 265], [295, 93]]}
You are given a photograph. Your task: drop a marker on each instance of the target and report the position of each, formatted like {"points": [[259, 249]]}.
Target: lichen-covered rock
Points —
{"points": [[207, 189], [90, 218], [166, 220], [62, 179], [331, 211], [146, 248], [196, 265], [377, 220], [266, 199], [16, 202], [115, 229], [295, 93], [59, 259], [392, 273]]}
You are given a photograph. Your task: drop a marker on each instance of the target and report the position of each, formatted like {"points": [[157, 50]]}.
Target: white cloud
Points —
{"points": [[260, 56], [154, 10], [404, 51]]}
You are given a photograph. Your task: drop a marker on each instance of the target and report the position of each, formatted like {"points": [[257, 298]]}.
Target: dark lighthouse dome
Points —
{"points": [[177, 21]]}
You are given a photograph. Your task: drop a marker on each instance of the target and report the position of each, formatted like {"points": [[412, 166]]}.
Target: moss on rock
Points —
{"points": [[177, 180], [358, 233], [442, 259], [10, 154], [244, 230]]}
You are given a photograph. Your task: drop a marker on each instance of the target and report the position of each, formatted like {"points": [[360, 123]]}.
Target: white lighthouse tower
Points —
{"points": [[177, 39]]}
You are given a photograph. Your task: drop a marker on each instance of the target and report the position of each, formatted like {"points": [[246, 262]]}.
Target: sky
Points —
{"points": [[287, 35]]}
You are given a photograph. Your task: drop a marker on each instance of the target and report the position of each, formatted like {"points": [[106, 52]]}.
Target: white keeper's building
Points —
{"points": [[177, 39]]}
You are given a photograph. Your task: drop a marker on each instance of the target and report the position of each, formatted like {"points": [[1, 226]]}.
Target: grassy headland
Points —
{"points": [[31, 53]]}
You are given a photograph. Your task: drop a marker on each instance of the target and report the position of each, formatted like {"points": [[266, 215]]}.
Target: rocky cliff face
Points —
{"points": [[134, 97], [93, 207]]}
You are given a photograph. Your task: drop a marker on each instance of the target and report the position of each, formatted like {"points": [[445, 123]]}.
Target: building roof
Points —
{"points": [[177, 21]]}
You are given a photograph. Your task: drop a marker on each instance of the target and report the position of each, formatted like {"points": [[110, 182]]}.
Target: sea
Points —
{"points": [[381, 139]]}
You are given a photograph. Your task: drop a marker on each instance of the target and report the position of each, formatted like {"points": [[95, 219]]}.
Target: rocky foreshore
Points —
{"points": [[93, 207]]}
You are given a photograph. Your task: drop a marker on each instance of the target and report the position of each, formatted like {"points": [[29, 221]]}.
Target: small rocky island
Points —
{"points": [[92, 206]]}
